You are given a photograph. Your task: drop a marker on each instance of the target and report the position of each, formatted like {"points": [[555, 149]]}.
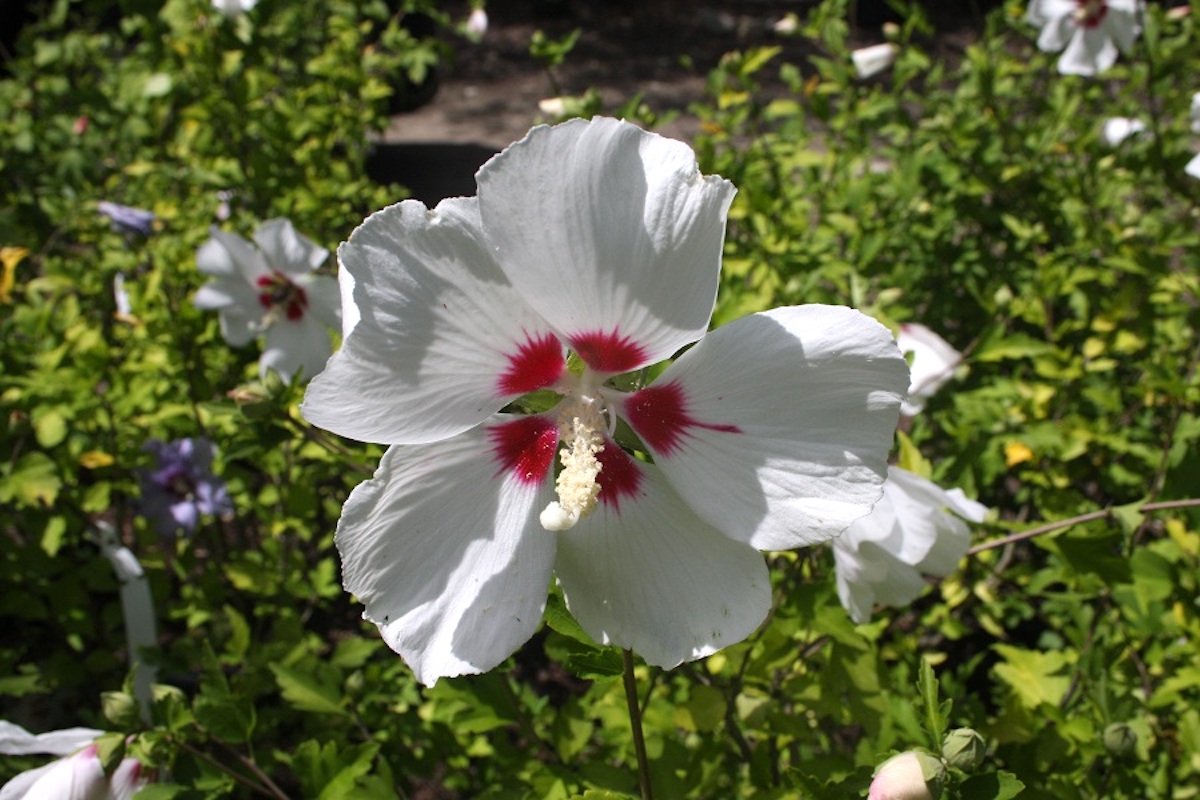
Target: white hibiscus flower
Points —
{"points": [[598, 240]]}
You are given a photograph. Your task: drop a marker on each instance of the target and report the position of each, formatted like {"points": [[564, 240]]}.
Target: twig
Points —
{"points": [[1104, 513]]}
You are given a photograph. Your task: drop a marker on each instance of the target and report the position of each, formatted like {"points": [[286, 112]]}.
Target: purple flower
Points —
{"points": [[182, 486], [127, 219]]}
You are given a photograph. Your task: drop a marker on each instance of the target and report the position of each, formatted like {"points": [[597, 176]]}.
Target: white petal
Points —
{"points": [[1057, 31], [301, 346], [16, 741], [350, 312], [1195, 112], [223, 293], [444, 548], [776, 427], [648, 575], [286, 250], [324, 299], [1089, 52], [869, 61], [933, 363], [127, 779], [1121, 26], [882, 556], [1193, 167], [78, 777], [612, 235], [239, 329], [443, 341], [1117, 129], [227, 254]]}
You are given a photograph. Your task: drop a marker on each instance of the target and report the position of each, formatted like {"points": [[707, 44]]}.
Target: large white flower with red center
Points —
{"points": [[272, 290], [1092, 31], [591, 253], [916, 529]]}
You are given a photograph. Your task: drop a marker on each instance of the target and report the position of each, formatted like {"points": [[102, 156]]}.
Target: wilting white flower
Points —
{"points": [[872, 60], [912, 775], [137, 609], [597, 239], [1092, 31], [272, 290], [914, 530], [234, 8], [78, 775], [933, 363], [1117, 129]]}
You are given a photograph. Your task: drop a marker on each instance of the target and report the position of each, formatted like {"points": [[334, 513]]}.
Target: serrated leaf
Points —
{"points": [[1033, 675], [993, 786], [307, 692]]}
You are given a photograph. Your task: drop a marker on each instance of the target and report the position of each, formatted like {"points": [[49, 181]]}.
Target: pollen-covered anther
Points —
{"points": [[577, 484]]}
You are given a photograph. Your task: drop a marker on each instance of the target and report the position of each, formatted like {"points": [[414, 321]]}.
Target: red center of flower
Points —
{"points": [[278, 291], [609, 351], [1090, 12], [525, 447], [661, 417], [536, 365]]}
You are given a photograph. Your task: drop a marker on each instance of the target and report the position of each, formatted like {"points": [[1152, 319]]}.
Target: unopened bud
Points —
{"points": [[964, 748], [912, 775], [1120, 740]]}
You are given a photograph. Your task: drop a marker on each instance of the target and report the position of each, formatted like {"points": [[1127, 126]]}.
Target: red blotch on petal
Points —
{"points": [[537, 364], [525, 447], [660, 415], [608, 352], [620, 475]]}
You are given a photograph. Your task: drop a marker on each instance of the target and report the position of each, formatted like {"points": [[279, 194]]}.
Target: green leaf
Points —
{"points": [[308, 691], [993, 786], [936, 712], [1033, 675]]}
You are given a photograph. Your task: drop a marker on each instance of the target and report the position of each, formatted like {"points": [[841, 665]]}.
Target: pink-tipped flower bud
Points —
{"points": [[912, 775]]}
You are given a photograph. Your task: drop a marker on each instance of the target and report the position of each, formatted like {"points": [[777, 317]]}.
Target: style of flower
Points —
{"points": [[127, 219], [1092, 31], [181, 487], [234, 8], [869, 61], [271, 290], [914, 530], [912, 775], [933, 363], [77, 775], [597, 239]]}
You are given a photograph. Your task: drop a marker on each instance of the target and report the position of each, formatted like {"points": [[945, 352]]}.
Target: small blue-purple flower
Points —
{"points": [[182, 486], [127, 219]]}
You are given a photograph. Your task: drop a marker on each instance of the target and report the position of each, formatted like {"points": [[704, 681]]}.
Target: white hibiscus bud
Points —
{"points": [[912, 775]]}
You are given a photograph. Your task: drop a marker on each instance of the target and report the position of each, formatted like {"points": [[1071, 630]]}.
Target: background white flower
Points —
{"points": [[915, 529], [1092, 31], [234, 8], [1115, 130], [933, 361], [272, 290], [77, 775], [869, 61]]}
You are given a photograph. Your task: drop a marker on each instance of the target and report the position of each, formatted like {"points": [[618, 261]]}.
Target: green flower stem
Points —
{"points": [[635, 722], [1104, 513]]}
